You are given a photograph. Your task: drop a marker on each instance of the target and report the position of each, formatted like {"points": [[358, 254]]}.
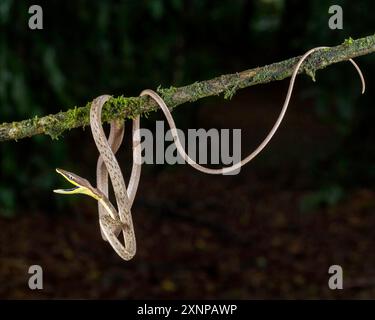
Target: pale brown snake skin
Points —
{"points": [[107, 164], [112, 222]]}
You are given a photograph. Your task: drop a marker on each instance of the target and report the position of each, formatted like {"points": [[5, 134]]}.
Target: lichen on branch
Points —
{"points": [[129, 107]]}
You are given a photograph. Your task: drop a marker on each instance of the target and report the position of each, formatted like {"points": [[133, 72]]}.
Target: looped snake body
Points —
{"points": [[113, 221]]}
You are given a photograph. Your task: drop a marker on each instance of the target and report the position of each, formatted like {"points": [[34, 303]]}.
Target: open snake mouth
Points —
{"points": [[68, 176]]}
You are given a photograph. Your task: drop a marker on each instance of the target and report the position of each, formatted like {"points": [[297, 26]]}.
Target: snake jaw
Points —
{"points": [[81, 185]]}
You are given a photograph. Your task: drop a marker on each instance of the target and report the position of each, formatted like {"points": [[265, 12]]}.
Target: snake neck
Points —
{"points": [[109, 208]]}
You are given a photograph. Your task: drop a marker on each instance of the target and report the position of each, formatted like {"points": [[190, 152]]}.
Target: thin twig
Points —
{"points": [[129, 107]]}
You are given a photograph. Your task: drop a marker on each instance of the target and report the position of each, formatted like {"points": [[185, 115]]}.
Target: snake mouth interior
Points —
{"points": [[70, 189], [67, 191]]}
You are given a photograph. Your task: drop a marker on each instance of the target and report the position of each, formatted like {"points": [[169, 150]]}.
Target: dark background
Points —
{"points": [[307, 202]]}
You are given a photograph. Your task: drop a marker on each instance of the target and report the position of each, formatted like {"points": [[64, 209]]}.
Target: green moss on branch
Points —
{"points": [[128, 107]]}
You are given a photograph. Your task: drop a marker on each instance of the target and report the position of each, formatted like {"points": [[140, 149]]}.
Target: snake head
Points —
{"points": [[81, 185]]}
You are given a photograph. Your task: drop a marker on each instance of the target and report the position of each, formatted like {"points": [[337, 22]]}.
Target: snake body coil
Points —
{"points": [[112, 221]]}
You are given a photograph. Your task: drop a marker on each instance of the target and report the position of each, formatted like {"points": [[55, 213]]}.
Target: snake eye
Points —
{"points": [[69, 176]]}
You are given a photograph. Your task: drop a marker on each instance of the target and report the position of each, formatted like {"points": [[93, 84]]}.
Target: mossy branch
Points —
{"points": [[123, 107]]}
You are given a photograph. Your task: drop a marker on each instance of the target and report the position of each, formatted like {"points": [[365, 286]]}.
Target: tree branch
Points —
{"points": [[123, 107]]}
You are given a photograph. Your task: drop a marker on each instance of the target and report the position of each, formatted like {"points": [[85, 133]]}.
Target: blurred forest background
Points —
{"points": [[305, 203]]}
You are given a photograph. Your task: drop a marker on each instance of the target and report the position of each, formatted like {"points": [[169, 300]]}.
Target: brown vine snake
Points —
{"points": [[113, 221]]}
